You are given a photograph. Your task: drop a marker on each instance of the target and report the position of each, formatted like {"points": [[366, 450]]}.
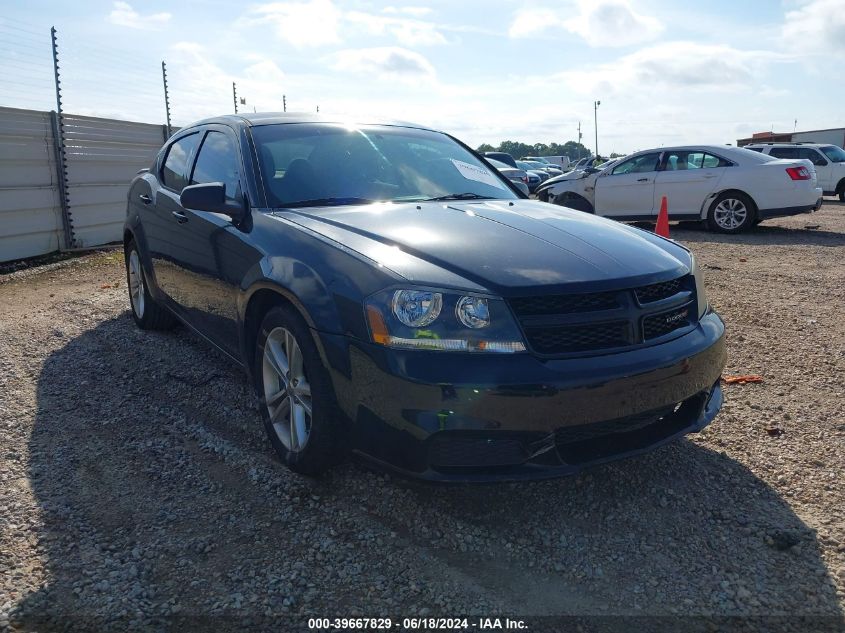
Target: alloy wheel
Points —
{"points": [[136, 284], [730, 214], [287, 393]]}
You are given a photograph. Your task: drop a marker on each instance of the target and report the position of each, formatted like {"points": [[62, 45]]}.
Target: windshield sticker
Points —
{"points": [[478, 174]]}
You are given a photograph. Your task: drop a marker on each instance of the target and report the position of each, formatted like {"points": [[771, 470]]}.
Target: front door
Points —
{"points": [[213, 256], [686, 178], [627, 190]]}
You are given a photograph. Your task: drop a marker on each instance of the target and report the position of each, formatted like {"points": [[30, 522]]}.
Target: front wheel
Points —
{"points": [[731, 213], [574, 201], [297, 401]]}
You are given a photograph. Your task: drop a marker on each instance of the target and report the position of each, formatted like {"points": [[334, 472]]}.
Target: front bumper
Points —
{"points": [[475, 417]]}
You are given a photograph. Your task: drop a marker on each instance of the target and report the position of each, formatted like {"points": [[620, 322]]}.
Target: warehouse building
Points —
{"points": [[831, 136]]}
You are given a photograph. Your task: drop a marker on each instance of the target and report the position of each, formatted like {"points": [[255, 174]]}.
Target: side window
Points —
{"points": [[174, 172], [755, 149], [638, 164], [784, 152], [812, 155], [218, 162]]}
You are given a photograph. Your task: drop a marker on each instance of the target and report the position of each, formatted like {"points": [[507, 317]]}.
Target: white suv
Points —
{"points": [[828, 159]]}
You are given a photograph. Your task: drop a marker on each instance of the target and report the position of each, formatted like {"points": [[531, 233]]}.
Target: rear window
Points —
{"points": [[174, 173]]}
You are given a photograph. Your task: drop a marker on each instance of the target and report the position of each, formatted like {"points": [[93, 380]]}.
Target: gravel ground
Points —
{"points": [[137, 487]]}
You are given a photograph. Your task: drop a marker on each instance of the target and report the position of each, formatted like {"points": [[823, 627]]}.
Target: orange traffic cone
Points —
{"points": [[662, 228]]}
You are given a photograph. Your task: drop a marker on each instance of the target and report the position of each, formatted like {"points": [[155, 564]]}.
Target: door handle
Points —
{"points": [[181, 218], [642, 179], [709, 175], [145, 198]]}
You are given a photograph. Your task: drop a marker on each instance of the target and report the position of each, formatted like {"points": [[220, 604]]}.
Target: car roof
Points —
{"points": [[274, 118], [784, 144]]}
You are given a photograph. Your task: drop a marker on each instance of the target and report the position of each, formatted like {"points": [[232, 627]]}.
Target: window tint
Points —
{"points": [[811, 155], [680, 160], [784, 152], [836, 154], [301, 163], [218, 162], [638, 164], [174, 173]]}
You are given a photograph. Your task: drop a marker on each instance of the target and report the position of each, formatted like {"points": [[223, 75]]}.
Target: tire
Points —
{"points": [[841, 191], [731, 212], [574, 201], [147, 314], [290, 380]]}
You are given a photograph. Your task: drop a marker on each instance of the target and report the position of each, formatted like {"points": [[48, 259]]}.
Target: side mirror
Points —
{"points": [[820, 162], [211, 197]]}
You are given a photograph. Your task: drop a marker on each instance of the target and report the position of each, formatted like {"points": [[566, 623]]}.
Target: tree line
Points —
{"points": [[516, 149]]}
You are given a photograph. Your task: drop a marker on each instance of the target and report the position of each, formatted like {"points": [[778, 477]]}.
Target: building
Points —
{"points": [[833, 136]]}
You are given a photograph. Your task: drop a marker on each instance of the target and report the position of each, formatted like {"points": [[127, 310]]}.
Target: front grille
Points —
{"points": [[656, 292], [658, 325], [456, 452], [579, 338], [557, 325], [585, 432], [564, 304]]}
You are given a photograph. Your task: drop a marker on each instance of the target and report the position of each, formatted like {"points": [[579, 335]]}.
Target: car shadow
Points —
{"points": [[159, 499]]}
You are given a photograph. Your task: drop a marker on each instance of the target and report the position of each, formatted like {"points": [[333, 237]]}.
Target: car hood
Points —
{"points": [[506, 247]]}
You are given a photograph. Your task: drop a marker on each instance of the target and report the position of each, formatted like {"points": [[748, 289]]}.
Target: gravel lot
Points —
{"points": [[137, 487]]}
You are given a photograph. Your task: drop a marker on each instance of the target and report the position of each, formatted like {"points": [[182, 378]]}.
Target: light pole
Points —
{"points": [[596, 105]]}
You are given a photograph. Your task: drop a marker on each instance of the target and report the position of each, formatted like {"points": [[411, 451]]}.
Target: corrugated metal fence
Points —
{"points": [[101, 155]]}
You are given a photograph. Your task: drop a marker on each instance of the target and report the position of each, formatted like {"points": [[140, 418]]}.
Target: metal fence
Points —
{"points": [[63, 180]]}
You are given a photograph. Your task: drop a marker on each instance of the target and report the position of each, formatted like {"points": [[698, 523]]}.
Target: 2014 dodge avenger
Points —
{"points": [[390, 294]]}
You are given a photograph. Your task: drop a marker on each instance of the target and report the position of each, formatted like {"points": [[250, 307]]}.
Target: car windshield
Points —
{"points": [[321, 164], [834, 153]]}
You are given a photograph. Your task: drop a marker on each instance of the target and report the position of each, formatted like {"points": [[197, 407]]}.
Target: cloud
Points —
{"points": [[124, 15], [674, 65], [817, 26], [313, 23], [303, 24], [598, 22], [416, 12], [407, 32], [386, 62]]}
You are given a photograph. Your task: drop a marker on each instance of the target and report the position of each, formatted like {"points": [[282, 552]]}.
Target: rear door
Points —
{"points": [[627, 190], [686, 178], [159, 209]]}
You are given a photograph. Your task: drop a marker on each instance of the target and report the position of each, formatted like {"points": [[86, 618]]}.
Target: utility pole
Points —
{"points": [[235, 96], [284, 103], [579, 140], [166, 96], [596, 105]]}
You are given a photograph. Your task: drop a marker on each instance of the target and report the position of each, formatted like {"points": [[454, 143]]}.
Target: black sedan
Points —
{"points": [[391, 295]]}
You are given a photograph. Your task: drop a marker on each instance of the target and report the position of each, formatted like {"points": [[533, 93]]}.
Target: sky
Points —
{"points": [[665, 72]]}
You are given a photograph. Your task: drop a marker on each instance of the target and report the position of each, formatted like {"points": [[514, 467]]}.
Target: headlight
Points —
{"points": [[419, 318], [417, 308], [473, 312], [700, 294]]}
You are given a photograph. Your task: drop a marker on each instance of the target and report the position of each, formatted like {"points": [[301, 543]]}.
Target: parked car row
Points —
{"points": [[729, 188]]}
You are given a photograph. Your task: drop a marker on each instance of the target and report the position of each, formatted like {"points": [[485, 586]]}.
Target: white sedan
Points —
{"points": [[728, 187]]}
